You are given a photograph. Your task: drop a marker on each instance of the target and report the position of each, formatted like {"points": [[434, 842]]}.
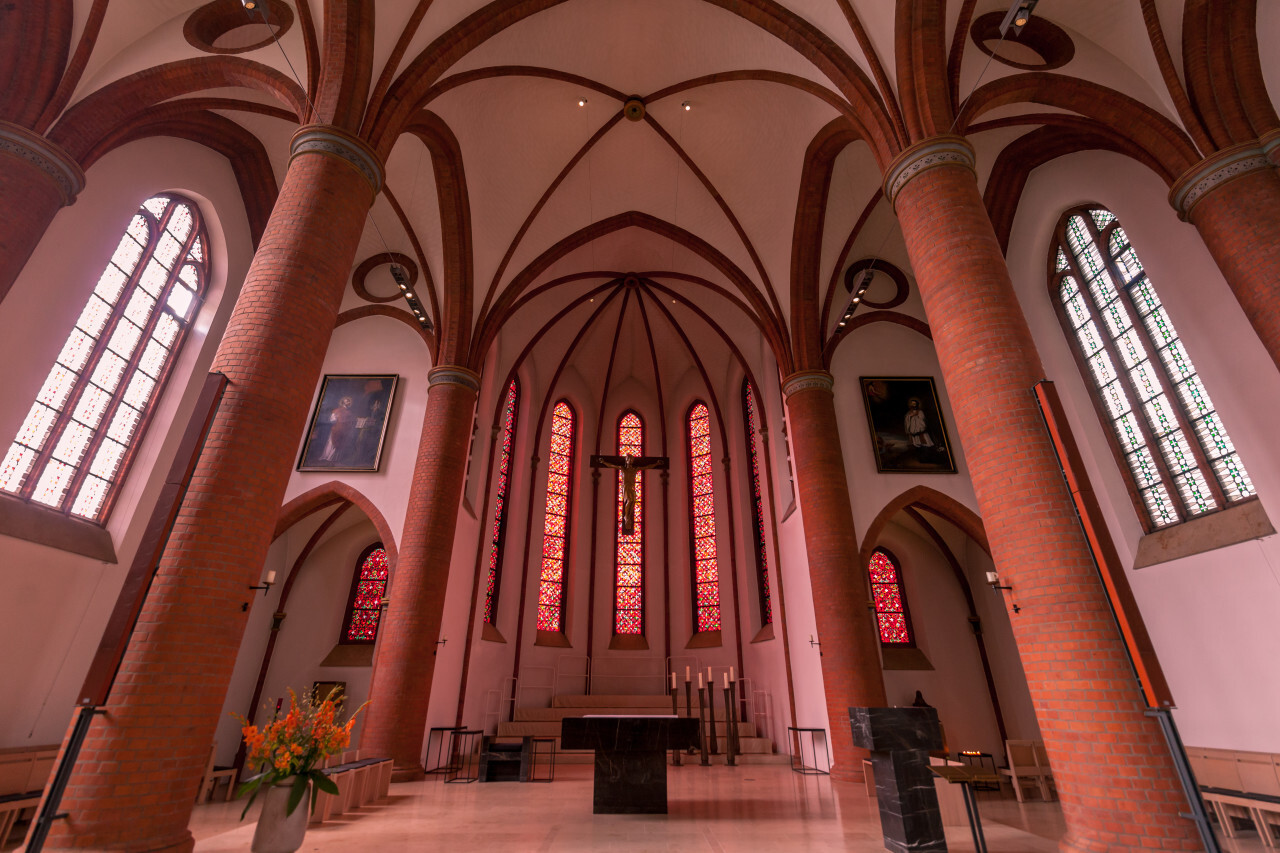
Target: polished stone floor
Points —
{"points": [[717, 810]]}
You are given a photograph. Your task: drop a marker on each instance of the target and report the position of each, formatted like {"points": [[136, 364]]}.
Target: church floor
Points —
{"points": [[717, 810]]}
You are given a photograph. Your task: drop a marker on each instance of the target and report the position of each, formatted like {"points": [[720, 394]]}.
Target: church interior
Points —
{"points": [[491, 363]]}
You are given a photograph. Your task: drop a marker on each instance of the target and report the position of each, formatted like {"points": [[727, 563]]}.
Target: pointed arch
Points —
{"points": [[553, 583], [923, 497], [328, 494], [705, 574], [628, 562]]}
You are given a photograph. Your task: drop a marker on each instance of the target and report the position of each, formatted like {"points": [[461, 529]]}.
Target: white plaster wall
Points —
{"points": [[1211, 616], [54, 605]]}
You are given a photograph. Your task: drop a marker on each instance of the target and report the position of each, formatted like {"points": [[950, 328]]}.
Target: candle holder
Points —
{"points": [[675, 712], [711, 718], [702, 730], [730, 746]]}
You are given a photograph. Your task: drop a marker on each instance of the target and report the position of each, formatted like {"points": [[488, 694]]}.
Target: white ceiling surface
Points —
{"points": [[748, 137]]}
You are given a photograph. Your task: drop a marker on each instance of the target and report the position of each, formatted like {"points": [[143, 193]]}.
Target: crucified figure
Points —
{"points": [[629, 466]]}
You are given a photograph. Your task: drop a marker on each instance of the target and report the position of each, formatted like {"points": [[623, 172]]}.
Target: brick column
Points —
{"points": [[851, 673], [136, 780], [1119, 789], [1233, 199], [406, 658], [37, 178]]}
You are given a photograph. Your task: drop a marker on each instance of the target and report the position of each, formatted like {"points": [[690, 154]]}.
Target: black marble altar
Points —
{"points": [[631, 767], [900, 740]]}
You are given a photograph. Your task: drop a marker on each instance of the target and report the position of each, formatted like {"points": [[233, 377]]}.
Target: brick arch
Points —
{"points": [[112, 107], [872, 121], [353, 314], [326, 495], [863, 320], [346, 64], [1122, 115], [920, 48], [923, 497]]}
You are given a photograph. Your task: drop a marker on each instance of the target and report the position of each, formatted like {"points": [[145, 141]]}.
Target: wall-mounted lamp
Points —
{"points": [[993, 579], [267, 583], [1016, 19]]}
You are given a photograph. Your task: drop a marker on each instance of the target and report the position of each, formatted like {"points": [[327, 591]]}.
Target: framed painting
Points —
{"points": [[349, 423], [908, 434]]}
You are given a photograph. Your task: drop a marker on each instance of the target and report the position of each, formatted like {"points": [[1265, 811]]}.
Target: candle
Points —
{"points": [[271, 576], [687, 679], [699, 681], [726, 680], [811, 639], [673, 681], [709, 677], [731, 678], [992, 577]]}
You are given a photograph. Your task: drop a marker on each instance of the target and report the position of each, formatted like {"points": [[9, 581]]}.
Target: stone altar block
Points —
{"points": [[631, 761], [900, 740]]}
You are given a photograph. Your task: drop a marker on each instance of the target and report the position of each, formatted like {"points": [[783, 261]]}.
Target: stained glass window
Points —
{"points": [[628, 610], [890, 600], [757, 504], [72, 451], [367, 589], [1180, 459], [555, 528], [500, 502], [702, 512]]}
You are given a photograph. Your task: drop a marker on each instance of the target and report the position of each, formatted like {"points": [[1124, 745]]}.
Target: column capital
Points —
{"points": [[927, 154], [453, 374], [32, 148], [808, 380], [1216, 170], [329, 140]]}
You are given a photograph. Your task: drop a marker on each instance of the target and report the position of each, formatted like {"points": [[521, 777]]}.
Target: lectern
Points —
{"points": [[631, 765]]}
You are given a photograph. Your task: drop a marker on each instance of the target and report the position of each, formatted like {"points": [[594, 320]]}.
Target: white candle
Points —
{"points": [[673, 681], [726, 680], [699, 681], [992, 577], [710, 678], [687, 679], [271, 576], [731, 678]]}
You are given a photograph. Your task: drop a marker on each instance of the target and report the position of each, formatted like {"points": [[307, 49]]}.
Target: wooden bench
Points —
{"points": [[1240, 785], [360, 781], [23, 774], [1028, 765], [212, 775]]}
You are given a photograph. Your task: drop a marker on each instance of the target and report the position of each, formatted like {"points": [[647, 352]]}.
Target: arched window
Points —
{"points": [[628, 613], [1163, 426], [555, 528], [73, 450], [893, 620], [757, 505], [364, 608], [702, 522], [500, 502]]}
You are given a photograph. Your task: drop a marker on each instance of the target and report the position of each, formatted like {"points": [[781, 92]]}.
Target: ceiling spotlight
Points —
{"points": [[582, 102], [249, 4], [1018, 16], [687, 106]]}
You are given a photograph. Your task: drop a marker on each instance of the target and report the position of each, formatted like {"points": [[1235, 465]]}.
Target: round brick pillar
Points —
{"points": [[135, 783], [406, 656], [37, 178], [1233, 199], [1118, 785], [851, 673]]}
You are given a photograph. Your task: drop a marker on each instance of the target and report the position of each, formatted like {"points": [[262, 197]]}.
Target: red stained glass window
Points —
{"points": [[757, 505], [500, 502], [364, 611], [73, 450], [706, 570], [555, 531], [628, 612], [890, 600]]}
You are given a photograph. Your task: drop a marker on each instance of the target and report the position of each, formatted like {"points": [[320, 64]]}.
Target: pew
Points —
{"points": [[23, 774]]}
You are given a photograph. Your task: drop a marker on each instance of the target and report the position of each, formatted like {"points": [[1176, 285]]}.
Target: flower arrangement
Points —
{"points": [[296, 745]]}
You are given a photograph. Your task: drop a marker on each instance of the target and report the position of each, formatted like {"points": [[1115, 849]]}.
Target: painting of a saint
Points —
{"points": [[907, 431], [348, 424]]}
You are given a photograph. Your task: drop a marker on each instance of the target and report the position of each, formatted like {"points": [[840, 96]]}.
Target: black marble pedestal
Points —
{"points": [[631, 769], [900, 740]]}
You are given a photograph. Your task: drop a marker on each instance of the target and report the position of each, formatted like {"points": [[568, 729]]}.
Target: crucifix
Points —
{"points": [[629, 465]]}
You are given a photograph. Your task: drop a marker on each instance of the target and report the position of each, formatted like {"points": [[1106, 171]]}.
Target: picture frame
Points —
{"points": [[908, 432], [348, 423]]}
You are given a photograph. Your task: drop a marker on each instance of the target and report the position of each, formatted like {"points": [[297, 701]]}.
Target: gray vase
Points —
{"points": [[278, 832]]}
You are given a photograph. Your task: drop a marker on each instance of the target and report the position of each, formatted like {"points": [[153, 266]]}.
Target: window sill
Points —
{"points": [[1235, 524], [349, 654], [491, 634], [903, 658], [629, 643], [34, 523], [705, 640], [556, 639], [764, 634]]}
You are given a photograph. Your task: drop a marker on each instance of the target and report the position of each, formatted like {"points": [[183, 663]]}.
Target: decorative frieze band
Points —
{"points": [[58, 165], [451, 374], [331, 141], [1215, 171], [808, 380], [939, 151]]}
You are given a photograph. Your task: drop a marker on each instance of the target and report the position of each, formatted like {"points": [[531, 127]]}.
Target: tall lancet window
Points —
{"points": [[757, 505], [1180, 460], [890, 600], [702, 509], [628, 613], [555, 527], [500, 502], [364, 608], [73, 450]]}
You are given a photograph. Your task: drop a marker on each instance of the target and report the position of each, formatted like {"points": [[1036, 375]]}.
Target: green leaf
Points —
{"points": [[298, 791], [324, 783]]}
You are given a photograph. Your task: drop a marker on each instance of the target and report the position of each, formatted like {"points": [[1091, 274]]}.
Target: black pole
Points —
{"points": [[1199, 815], [49, 809]]}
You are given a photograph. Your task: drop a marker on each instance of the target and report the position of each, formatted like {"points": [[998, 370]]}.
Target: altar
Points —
{"points": [[631, 765]]}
